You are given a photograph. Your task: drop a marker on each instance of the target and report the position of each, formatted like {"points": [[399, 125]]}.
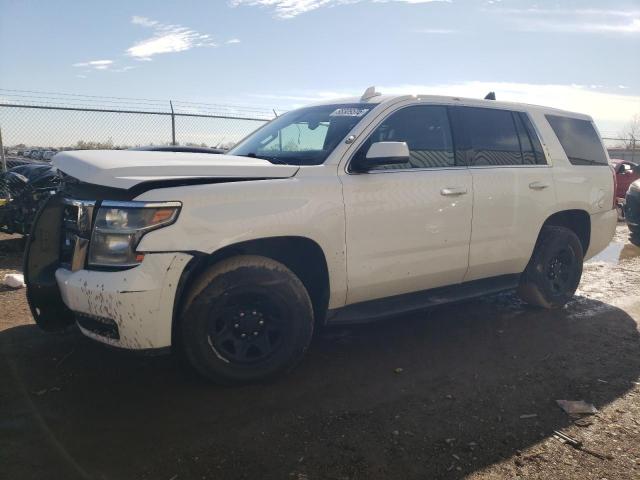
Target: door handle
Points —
{"points": [[453, 191], [538, 185]]}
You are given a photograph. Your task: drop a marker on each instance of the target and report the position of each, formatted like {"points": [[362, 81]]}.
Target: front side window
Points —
{"points": [[303, 137], [426, 131], [579, 140], [491, 135]]}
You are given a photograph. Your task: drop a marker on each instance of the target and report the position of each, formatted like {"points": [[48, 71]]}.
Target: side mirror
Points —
{"points": [[383, 153]]}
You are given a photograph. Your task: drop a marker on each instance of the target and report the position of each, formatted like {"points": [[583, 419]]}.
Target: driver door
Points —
{"points": [[408, 226]]}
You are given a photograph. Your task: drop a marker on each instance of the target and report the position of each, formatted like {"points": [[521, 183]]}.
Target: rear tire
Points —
{"points": [[553, 273], [246, 319]]}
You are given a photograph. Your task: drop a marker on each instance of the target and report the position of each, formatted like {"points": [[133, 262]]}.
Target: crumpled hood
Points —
{"points": [[127, 168]]}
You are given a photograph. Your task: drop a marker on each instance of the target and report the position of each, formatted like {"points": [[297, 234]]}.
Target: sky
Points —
{"points": [[578, 55]]}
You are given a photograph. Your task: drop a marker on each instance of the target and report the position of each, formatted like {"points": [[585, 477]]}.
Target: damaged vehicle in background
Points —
{"points": [[23, 190], [344, 211], [632, 212]]}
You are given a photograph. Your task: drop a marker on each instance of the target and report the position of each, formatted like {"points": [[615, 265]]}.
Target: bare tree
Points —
{"points": [[630, 136]]}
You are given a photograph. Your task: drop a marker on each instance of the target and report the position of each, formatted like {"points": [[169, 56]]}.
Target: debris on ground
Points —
{"points": [[577, 407], [398, 370], [528, 415], [578, 445], [14, 280]]}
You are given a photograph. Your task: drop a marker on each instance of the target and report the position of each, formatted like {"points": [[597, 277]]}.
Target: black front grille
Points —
{"points": [[105, 327], [77, 221], [69, 232]]}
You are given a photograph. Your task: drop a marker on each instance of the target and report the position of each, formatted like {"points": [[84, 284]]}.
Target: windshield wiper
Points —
{"points": [[273, 160]]}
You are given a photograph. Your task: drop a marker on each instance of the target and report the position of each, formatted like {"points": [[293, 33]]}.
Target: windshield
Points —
{"points": [[303, 137]]}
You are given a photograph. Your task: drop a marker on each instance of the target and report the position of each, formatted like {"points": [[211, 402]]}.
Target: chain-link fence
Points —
{"points": [[33, 123], [621, 148]]}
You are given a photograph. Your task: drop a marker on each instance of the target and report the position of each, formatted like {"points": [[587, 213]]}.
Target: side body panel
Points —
{"points": [[309, 205], [580, 187], [403, 235], [507, 217]]}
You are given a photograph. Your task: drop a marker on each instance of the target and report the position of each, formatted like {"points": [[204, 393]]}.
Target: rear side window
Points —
{"points": [[579, 140], [491, 136]]}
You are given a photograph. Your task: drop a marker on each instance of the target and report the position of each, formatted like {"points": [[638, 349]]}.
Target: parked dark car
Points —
{"points": [[632, 212], [23, 189]]}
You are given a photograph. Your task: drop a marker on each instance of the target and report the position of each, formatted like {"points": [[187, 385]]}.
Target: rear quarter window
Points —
{"points": [[579, 140]]}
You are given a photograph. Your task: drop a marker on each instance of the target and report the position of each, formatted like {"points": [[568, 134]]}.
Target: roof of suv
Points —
{"points": [[391, 99]]}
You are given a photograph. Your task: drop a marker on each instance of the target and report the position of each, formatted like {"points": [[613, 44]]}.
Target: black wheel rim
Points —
{"points": [[560, 271], [246, 328]]}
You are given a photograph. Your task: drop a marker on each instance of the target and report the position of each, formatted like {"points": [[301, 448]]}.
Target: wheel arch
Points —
{"points": [[301, 255], [576, 220]]}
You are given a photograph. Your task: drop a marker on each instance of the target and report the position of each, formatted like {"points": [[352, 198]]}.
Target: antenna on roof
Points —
{"points": [[369, 93], [490, 96]]}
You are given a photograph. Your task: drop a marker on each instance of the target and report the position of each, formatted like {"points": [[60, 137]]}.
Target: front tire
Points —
{"points": [[246, 319], [553, 273]]}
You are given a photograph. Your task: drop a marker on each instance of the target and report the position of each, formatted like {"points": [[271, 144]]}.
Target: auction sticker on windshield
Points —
{"points": [[349, 112]]}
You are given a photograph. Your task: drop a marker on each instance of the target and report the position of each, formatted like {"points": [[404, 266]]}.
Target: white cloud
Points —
{"points": [[144, 21], [605, 21], [293, 8], [167, 38], [96, 64], [101, 65], [436, 31], [611, 110], [232, 41]]}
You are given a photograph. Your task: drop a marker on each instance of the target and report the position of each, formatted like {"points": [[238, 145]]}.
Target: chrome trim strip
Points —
{"points": [[85, 218], [134, 204], [79, 203], [80, 251]]}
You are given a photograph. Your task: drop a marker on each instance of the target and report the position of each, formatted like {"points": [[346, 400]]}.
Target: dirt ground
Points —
{"points": [[475, 397]]}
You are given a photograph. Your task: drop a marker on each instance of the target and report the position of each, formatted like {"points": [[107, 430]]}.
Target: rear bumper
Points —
{"points": [[603, 228], [130, 309]]}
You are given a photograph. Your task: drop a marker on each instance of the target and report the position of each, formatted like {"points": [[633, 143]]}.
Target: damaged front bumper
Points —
{"points": [[132, 308]]}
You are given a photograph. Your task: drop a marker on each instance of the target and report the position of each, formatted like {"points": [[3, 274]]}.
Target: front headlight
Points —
{"points": [[119, 227]]}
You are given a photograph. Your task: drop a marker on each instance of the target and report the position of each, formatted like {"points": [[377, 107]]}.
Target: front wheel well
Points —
{"points": [[303, 256], [578, 221]]}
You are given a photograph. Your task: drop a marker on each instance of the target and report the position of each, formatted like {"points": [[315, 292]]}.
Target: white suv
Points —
{"points": [[339, 212]]}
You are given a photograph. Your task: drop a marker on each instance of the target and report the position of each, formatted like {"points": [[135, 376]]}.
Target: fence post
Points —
{"points": [[173, 124], [4, 160]]}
